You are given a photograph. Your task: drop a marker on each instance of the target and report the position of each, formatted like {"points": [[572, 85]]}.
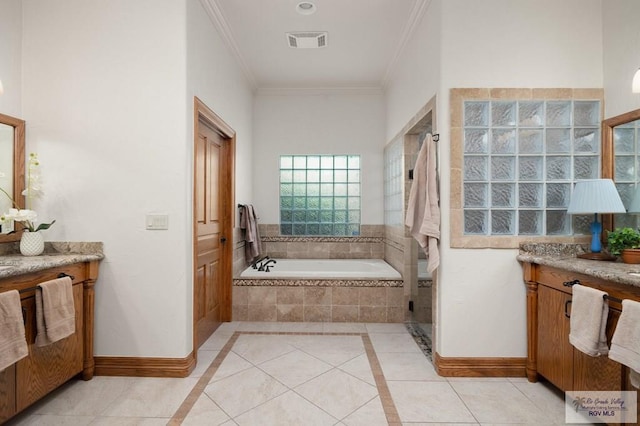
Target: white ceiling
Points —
{"points": [[365, 38]]}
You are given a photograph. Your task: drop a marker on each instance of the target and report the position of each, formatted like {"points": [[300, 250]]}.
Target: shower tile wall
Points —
{"points": [[369, 245]]}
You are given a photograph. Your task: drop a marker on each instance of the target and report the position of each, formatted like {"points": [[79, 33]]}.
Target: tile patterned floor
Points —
{"points": [[302, 374]]}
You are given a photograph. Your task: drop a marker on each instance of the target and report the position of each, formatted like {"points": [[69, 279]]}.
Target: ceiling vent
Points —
{"points": [[308, 40]]}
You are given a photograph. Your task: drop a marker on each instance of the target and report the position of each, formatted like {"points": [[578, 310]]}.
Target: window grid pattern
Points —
{"points": [[520, 161], [320, 195], [393, 184], [626, 142]]}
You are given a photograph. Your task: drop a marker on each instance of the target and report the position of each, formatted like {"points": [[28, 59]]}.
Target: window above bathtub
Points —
{"points": [[320, 195], [515, 156]]}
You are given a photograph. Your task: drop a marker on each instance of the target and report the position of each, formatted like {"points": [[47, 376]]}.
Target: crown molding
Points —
{"points": [[220, 23], [419, 9]]}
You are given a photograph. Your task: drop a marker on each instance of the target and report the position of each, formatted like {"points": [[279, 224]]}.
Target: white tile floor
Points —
{"points": [[371, 374]]}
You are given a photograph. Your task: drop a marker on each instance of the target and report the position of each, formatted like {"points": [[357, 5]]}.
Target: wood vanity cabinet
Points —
{"points": [[550, 354], [47, 367]]}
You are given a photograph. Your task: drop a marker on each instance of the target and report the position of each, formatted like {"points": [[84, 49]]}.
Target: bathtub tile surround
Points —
{"points": [[318, 301], [369, 245], [343, 297]]}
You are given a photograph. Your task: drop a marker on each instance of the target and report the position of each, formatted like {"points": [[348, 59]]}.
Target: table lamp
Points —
{"points": [[592, 197]]}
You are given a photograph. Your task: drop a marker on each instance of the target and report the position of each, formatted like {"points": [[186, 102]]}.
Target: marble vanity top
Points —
{"points": [[56, 253], [563, 256]]}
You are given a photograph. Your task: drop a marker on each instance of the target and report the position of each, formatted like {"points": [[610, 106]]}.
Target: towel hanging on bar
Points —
{"points": [[249, 226]]}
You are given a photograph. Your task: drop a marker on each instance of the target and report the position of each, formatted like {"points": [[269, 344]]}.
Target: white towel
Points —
{"points": [[625, 344], [55, 311], [423, 210], [588, 324], [13, 343]]}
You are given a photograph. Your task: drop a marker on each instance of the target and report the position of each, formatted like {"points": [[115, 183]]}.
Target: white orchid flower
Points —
{"points": [[34, 190]]}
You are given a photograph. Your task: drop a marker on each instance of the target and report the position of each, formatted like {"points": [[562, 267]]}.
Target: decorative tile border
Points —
{"points": [[425, 283], [282, 239], [389, 407], [315, 283]]}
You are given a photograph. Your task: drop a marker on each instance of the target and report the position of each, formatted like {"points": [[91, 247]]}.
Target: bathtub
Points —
{"points": [[320, 290], [326, 269]]}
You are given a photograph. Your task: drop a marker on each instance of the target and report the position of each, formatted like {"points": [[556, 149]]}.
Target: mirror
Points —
{"points": [[621, 162], [12, 166]]}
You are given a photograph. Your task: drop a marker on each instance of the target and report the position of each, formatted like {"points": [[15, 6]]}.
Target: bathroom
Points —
{"points": [[113, 126]]}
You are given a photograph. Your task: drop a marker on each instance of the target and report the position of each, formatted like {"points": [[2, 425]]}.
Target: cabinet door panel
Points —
{"points": [[7, 393], [555, 353], [49, 366], [598, 373]]}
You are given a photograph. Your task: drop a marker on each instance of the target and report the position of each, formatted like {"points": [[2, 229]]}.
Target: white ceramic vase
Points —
{"points": [[31, 243]]}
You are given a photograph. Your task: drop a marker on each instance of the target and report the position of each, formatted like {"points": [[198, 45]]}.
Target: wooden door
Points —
{"points": [[214, 205], [208, 285], [555, 353]]}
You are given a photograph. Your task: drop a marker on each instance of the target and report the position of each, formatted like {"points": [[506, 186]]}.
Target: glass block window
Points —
{"points": [[393, 184], [520, 160], [320, 195], [626, 145]]}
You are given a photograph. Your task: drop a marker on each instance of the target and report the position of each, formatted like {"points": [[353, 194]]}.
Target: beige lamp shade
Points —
{"points": [[635, 84]]}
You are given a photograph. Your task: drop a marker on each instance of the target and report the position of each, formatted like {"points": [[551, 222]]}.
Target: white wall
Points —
{"points": [[108, 99], [621, 55], [215, 78], [11, 54], [502, 43], [492, 43], [104, 101], [416, 75], [317, 122]]}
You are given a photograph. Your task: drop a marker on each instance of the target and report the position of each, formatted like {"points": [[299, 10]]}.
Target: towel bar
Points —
{"points": [[605, 297], [60, 275]]}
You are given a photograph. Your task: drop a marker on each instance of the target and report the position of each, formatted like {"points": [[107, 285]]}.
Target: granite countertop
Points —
{"points": [[563, 256], [58, 253]]}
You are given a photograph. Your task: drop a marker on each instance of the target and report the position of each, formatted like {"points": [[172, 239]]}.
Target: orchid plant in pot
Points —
{"points": [[32, 242]]}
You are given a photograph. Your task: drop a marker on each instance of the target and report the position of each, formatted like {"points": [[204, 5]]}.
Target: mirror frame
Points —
{"points": [[608, 155], [18, 168]]}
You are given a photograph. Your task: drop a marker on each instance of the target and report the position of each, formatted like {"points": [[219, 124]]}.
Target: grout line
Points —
{"points": [[386, 400], [183, 411], [388, 405]]}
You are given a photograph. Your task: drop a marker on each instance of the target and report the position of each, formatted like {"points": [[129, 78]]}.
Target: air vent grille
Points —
{"points": [[307, 40]]}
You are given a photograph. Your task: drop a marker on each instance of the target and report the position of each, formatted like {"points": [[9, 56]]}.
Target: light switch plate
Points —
{"points": [[157, 222]]}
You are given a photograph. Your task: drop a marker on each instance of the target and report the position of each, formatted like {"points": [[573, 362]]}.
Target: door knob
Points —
{"points": [[223, 239]]}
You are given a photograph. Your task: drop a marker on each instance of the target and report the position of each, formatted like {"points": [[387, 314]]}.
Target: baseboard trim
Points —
{"points": [[480, 367], [145, 367]]}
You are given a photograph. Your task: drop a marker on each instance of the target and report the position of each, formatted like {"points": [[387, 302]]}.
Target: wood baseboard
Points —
{"points": [[144, 367], [480, 367]]}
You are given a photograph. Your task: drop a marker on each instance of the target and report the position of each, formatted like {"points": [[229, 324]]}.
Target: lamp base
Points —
{"points": [[596, 256]]}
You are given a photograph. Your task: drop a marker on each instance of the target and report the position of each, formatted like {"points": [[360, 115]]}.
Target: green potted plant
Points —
{"points": [[625, 242]]}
